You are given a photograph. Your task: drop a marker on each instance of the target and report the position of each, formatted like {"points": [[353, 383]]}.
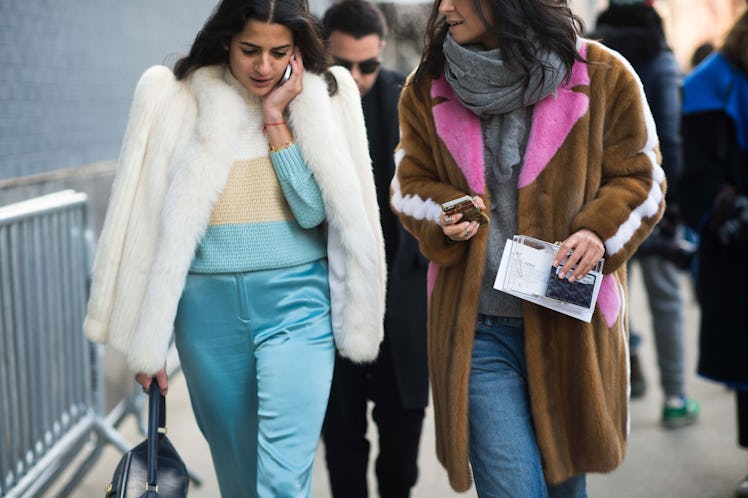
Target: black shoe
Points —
{"points": [[638, 383], [742, 490]]}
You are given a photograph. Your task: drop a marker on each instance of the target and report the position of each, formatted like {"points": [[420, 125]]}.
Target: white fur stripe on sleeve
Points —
{"points": [[413, 205], [646, 209], [651, 204]]}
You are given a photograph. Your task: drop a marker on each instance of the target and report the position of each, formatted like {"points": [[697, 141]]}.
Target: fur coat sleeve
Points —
{"points": [[152, 87], [339, 157]]}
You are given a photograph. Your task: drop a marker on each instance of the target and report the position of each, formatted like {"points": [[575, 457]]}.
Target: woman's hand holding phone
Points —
{"points": [[457, 229], [286, 74], [275, 102]]}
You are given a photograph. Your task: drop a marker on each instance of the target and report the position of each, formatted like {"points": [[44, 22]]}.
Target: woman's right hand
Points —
{"points": [[460, 231], [145, 381], [274, 103]]}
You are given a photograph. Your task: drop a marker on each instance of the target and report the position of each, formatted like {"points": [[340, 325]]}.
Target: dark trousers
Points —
{"points": [[344, 430], [741, 398]]}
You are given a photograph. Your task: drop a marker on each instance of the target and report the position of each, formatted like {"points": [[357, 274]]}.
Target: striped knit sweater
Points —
{"points": [[270, 211]]}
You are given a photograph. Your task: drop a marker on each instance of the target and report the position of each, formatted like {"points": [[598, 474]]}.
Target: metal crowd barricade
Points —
{"points": [[51, 383], [51, 400]]}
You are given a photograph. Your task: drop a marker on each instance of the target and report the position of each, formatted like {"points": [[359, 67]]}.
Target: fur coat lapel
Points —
{"points": [[313, 123], [552, 121], [339, 160]]}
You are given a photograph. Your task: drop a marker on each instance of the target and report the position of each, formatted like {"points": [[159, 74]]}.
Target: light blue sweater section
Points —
{"points": [[235, 248], [257, 246], [299, 187]]}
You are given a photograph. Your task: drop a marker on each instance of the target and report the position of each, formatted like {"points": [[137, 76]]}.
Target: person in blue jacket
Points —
{"points": [[714, 190]]}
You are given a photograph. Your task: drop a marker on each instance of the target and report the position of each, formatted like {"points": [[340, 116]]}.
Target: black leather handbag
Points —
{"points": [[152, 469]]}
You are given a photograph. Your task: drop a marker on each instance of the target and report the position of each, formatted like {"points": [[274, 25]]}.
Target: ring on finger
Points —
{"points": [[448, 220], [467, 232]]}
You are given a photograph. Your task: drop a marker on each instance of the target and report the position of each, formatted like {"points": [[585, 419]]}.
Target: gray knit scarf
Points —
{"points": [[497, 93]]}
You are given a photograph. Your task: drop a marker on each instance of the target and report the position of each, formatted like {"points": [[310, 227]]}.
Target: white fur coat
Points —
{"points": [[175, 159]]}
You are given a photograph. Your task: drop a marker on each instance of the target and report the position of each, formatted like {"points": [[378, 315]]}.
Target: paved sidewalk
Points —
{"points": [[701, 461]]}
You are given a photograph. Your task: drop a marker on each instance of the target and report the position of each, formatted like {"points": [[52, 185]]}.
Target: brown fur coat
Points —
{"points": [[591, 162]]}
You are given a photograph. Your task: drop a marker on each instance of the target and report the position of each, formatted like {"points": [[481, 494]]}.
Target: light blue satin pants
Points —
{"points": [[257, 353]]}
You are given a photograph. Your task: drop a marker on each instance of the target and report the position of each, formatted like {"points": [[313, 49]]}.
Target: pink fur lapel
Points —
{"points": [[609, 300], [460, 130], [433, 271], [552, 121]]}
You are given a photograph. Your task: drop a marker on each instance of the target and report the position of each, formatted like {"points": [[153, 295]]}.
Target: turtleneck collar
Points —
{"points": [[248, 97]]}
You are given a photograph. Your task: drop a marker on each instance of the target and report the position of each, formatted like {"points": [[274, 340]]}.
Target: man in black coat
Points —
{"points": [[397, 382]]}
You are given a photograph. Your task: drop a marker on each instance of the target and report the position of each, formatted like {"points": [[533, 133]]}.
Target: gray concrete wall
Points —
{"points": [[67, 74], [68, 70]]}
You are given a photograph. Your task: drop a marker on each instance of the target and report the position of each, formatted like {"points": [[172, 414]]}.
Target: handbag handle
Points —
{"points": [[156, 420]]}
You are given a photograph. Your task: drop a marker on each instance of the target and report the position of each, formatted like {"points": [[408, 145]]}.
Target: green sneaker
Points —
{"points": [[674, 416]]}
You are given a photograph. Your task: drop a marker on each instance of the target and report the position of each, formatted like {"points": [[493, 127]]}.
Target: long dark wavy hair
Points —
{"points": [[554, 25], [229, 18]]}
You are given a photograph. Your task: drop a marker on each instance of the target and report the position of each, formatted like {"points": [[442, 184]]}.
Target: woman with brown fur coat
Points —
{"points": [[552, 136]]}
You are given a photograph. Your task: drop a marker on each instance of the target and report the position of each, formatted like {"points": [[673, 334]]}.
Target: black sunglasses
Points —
{"points": [[365, 67]]}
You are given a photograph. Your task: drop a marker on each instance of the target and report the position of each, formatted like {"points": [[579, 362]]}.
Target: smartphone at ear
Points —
{"points": [[286, 75], [287, 72]]}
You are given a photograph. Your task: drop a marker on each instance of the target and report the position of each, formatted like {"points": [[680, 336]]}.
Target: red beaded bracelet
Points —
{"points": [[265, 127]]}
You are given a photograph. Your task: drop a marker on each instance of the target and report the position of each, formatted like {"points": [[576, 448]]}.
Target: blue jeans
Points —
{"points": [[504, 453]]}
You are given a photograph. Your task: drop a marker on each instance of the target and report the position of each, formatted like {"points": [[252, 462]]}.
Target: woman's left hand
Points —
{"points": [[276, 101], [586, 251]]}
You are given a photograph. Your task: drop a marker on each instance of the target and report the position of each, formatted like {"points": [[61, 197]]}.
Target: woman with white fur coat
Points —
{"points": [[243, 218]]}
